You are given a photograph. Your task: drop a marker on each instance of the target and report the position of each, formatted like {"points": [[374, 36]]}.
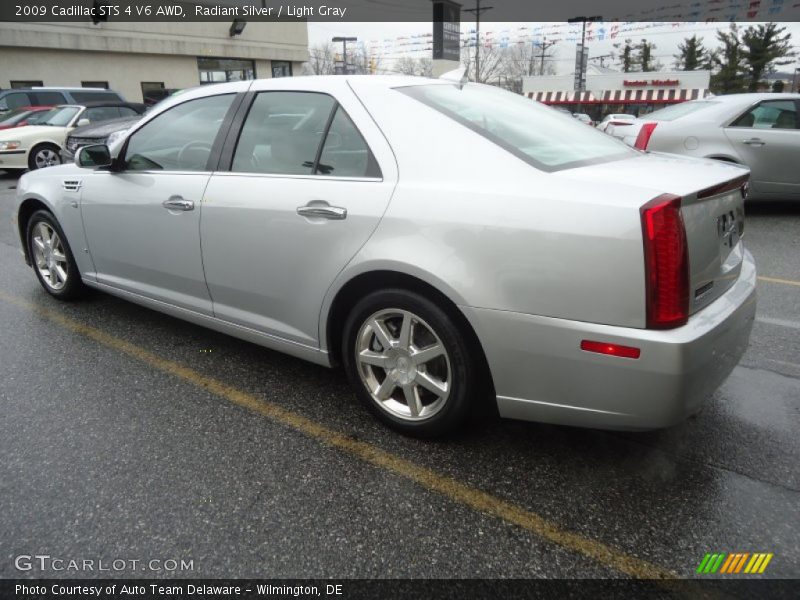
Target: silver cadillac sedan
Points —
{"points": [[454, 247]]}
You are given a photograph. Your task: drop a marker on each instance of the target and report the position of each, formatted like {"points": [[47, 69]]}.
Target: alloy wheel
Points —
{"points": [[46, 157], [49, 255], [403, 364]]}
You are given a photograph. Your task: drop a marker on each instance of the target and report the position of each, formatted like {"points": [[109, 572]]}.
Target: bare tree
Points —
{"points": [[321, 60], [421, 67], [490, 63], [522, 60]]}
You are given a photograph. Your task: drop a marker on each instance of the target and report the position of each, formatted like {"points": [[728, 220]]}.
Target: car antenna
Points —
{"points": [[457, 76]]}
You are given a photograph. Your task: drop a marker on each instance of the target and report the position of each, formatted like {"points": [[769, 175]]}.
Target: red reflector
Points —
{"points": [[666, 263], [610, 349], [644, 136]]}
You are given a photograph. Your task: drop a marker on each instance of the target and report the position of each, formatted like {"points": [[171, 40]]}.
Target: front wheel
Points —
{"points": [[409, 363], [52, 258], [44, 155]]}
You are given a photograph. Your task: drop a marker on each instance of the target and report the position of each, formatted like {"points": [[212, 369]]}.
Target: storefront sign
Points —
{"points": [[446, 30], [652, 82]]}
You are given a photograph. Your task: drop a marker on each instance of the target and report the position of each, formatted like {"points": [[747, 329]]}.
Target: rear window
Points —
{"points": [[676, 111], [531, 131], [95, 96]]}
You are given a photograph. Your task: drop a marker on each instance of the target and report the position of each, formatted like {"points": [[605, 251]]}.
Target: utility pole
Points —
{"points": [[580, 74], [344, 41], [478, 10], [545, 46]]}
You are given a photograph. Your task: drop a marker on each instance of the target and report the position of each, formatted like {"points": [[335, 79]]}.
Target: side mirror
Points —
{"points": [[90, 157], [82, 122]]}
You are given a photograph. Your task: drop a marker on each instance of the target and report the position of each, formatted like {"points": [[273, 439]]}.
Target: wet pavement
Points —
{"points": [[107, 455]]}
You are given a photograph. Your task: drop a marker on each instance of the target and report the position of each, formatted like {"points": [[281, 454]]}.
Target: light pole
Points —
{"points": [[580, 79], [344, 41], [478, 10]]}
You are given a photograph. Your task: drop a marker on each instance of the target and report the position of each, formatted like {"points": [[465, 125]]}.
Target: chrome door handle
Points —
{"points": [[319, 209], [754, 142], [177, 203]]}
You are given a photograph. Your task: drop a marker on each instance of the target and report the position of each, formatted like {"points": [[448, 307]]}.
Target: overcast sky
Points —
{"points": [[666, 36]]}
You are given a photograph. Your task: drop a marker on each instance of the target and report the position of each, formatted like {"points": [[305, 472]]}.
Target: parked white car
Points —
{"points": [[510, 258], [761, 131], [38, 146], [612, 120]]}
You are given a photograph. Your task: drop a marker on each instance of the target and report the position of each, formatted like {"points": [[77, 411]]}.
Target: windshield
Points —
{"points": [[531, 131], [676, 111], [59, 117]]}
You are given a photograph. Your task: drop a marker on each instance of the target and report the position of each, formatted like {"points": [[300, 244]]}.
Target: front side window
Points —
{"points": [[15, 100], [179, 139], [100, 113], [773, 114], [282, 133], [527, 129]]}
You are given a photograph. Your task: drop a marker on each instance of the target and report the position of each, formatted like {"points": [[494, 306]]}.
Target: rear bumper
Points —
{"points": [[541, 374]]}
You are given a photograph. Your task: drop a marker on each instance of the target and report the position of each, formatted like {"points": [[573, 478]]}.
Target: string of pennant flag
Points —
{"points": [[672, 16]]}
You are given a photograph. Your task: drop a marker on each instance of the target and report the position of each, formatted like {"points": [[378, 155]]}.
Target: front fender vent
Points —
{"points": [[71, 185]]}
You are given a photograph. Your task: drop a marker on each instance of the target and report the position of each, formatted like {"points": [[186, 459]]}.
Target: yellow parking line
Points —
{"points": [[426, 478], [777, 280]]}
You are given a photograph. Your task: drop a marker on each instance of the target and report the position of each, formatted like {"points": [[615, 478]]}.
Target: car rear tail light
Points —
{"points": [[610, 349], [644, 136], [666, 263]]}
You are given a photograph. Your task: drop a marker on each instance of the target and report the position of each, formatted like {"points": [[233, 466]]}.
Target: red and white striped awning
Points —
{"points": [[620, 96]]}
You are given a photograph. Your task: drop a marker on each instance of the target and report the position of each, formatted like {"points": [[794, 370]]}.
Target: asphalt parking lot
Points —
{"points": [[129, 434]]}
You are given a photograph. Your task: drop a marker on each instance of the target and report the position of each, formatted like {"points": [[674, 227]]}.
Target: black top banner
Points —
{"points": [[396, 10]]}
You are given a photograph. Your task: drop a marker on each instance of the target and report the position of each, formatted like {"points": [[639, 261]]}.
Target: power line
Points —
{"points": [[478, 12]]}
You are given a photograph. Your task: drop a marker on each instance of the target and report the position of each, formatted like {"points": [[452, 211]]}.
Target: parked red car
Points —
{"points": [[24, 115]]}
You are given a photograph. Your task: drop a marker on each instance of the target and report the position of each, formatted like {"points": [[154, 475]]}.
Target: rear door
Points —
{"points": [[767, 138], [303, 187]]}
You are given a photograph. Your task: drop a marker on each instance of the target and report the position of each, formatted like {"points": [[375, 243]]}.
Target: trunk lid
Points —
{"points": [[712, 207]]}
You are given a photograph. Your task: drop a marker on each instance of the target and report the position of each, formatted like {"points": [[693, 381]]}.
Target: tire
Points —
{"points": [[44, 155], [427, 399], [51, 257]]}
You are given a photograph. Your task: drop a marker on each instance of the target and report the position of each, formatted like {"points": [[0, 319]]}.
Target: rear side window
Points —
{"points": [[45, 98], [95, 96], [345, 153], [282, 133], [531, 131]]}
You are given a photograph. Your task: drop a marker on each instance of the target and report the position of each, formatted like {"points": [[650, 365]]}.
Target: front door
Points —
{"points": [[143, 222]]}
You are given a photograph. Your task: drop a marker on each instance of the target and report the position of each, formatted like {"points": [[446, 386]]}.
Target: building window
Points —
{"points": [[219, 70], [16, 85], [95, 84], [153, 91], [281, 68]]}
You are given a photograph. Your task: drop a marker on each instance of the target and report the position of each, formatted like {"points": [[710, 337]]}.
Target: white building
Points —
{"points": [[614, 92], [134, 58]]}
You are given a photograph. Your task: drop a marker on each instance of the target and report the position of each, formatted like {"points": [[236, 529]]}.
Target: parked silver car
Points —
{"points": [[761, 131], [451, 245]]}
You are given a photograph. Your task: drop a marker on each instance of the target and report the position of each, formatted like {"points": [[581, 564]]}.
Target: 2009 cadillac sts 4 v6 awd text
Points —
{"points": [[449, 245]]}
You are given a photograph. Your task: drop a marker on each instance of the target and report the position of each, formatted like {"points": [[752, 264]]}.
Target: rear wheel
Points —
{"points": [[52, 258], [44, 155], [410, 363]]}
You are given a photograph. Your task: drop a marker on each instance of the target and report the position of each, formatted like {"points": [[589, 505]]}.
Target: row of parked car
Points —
{"points": [[761, 131], [42, 135]]}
